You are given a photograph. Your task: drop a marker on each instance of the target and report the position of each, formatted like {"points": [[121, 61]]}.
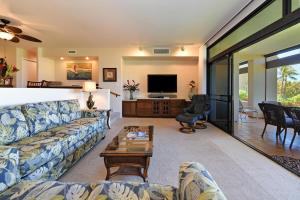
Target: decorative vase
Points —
{"points": [[131, 94], [192, 92], [7, 81], [2, 81]]}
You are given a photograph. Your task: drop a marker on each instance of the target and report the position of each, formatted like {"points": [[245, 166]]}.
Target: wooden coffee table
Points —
{"points": [[130, 156]]}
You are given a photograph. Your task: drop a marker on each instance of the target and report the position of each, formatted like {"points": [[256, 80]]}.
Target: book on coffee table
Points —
{"points": [[137, 136]]}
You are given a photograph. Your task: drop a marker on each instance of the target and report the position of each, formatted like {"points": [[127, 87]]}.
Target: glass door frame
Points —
{"points": [[229, 95], [289, 18]]}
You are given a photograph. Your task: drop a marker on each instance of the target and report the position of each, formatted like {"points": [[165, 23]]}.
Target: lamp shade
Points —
{"points": [[89, 86]]}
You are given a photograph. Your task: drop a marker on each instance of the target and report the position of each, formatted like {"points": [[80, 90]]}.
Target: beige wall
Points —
{"points": [[113, 58], [236, 98], [29, 71], [271, 84], [46, 66], [139, 69], [49, 63], [61, 71], [202, 70], [10, 52], [256, 81]]}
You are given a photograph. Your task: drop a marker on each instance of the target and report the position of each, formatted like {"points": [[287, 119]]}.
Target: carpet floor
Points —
{"points": [[241, 172]]}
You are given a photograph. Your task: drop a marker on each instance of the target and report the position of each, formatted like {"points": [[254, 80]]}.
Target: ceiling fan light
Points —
{"points": [[6, 36]]}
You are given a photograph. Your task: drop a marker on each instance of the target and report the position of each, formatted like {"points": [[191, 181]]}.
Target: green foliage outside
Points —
{"points": [[243, 95], [288, 87]]}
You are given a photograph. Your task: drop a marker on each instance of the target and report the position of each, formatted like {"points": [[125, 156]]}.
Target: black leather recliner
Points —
{"points": [[194, 116]]}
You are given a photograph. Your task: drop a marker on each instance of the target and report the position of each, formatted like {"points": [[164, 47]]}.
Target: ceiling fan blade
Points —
{"points": [[27, 37], [15, 40], [13, 29]]}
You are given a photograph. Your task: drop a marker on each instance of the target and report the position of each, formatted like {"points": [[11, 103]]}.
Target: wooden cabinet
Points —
{"points": [[145, 108], [129, 108], [153, 107]]}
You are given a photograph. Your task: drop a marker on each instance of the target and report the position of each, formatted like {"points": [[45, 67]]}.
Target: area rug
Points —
{"points": [[231, 163], [289, 163]]}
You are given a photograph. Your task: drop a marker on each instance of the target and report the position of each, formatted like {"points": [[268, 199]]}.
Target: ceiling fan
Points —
{"points": [[13, 33]]}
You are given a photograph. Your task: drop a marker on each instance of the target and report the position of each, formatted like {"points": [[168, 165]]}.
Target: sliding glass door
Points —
{"points": [[219, 89]]}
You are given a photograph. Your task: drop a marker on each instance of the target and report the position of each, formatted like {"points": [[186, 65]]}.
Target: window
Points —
{"points": [[295, 5], [283, 77], [243, 81]]}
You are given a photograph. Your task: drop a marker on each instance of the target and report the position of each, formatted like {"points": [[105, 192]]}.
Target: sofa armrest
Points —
{"points": [[9, 167], [195, 183], [93, 113]]}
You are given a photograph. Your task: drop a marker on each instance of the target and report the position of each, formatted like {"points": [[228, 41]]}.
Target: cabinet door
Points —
{"points": [[129, 108], [144, 108], [177, 107], [164, 107]]}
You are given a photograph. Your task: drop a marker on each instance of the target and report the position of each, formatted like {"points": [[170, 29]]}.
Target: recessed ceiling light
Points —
{"points": [[61, 58], [87, 58]]}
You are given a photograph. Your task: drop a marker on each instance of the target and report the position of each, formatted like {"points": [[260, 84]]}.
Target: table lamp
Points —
{"points": [[89, 86]]}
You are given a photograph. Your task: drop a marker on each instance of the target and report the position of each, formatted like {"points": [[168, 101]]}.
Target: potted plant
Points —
{"points": [[131, 87], [6, 72]]}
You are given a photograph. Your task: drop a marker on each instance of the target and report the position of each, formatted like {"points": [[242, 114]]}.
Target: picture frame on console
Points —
{"points": [[109, 74]]}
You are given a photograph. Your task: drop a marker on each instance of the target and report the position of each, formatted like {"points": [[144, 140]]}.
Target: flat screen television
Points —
{"points": [[162, 83]]}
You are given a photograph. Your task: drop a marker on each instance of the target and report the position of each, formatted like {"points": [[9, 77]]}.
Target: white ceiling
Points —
{"points": [[119, 23]]}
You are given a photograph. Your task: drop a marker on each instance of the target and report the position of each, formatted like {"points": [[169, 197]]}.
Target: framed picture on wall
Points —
{"points": [[109, 74], [79, 71]]}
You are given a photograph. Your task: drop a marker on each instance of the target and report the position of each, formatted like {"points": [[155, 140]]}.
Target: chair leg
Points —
{"points": [[293, 139], [193, 128], [181, 124], [187, 128], [200, 125], [285, 131], [262, 135], [279, 131]]}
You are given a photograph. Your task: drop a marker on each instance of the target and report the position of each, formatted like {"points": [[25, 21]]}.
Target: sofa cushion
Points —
{"points": [[53, 169], [70, 134], [42, 173], [45, 146], [41, 116], [9, 167], [102, 190], [13, 125], [69, 110], [92, 124], [36, 151]]}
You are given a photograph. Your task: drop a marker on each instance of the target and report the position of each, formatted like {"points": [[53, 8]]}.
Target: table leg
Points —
{"points": [[107, 170], [145, 173]]}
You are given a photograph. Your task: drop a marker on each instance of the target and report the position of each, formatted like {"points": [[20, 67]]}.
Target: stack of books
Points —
{"points": [[137, 136]]}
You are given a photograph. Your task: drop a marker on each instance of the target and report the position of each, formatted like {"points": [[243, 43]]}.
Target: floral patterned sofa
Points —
{"points": [[47, 138], [195, 183]]}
